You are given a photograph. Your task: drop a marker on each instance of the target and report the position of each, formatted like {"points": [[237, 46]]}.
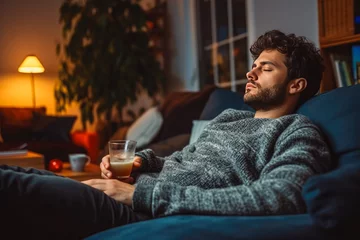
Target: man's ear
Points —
{"points": [[297, 85]]}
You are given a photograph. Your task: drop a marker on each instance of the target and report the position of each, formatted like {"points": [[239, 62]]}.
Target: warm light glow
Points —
{"points": [[31, 64]]}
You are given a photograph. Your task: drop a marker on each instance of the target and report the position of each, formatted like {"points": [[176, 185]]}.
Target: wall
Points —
{"points": [[184, 73], [29, 27], [290, 16]]}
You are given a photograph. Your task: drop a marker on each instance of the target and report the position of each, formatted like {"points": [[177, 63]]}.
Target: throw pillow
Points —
{"points": [[220, 100], [146, 127], [179, 109], [333, 199], [198, 127], [170, 145], [53, 128]]}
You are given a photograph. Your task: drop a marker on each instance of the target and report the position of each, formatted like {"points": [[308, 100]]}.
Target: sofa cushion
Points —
{"points": [[294, 227], [337, 113], [333, 198], [179, 109], [220, 100], [16, 123], [170, 145]]}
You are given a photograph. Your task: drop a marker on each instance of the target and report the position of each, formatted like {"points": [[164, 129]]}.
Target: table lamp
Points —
{"points": [[31, 64]]}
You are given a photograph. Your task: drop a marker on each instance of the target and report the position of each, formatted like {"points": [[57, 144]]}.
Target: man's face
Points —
{"points": [[267, 81]]}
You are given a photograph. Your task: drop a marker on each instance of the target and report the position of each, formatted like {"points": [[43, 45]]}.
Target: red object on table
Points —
{"points": [[88, 140], [55, 165]]}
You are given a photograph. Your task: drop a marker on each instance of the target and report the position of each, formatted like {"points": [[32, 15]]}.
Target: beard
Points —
{"points": [[266, 98]]}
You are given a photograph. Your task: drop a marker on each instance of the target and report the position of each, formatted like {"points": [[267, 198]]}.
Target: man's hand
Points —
{"points": [[120, 191], [107, 174]]}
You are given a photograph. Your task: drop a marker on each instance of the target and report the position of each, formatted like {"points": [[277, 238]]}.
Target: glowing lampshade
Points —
{"points": [[31, 64]]}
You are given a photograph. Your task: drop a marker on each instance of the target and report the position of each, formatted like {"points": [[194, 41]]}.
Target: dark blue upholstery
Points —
{"points": [[294, 227], [337, 113], [220, 100], [333, 199]]}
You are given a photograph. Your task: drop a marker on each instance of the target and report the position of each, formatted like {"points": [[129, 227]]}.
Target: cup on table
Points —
{"points": [[78, 161], [122, 153]]}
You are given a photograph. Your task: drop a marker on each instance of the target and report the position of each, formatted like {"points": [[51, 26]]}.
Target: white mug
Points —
{"points": [[78, 161]]}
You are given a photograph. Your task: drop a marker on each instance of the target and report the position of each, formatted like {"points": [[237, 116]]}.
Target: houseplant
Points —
{"points": [[106, 61]]}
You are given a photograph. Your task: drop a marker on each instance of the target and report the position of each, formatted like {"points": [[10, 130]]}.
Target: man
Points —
{"points": [[242, 164]]}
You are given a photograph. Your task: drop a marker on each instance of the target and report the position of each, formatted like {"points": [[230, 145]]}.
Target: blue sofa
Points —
{"points": [[332, 199]]}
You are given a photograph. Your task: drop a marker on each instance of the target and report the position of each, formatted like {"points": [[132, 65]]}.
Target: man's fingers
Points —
{"points": [[96, 183], [106, 161], [105, 166], [104, 172], [137, 164], [102, 167], [104, 176], [100, 184]]}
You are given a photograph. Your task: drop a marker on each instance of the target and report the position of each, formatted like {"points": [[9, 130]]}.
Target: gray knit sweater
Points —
{"points": [[240, 165]]}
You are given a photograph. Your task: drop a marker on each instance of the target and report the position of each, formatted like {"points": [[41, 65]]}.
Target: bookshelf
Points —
{"points": [[338, 33]]}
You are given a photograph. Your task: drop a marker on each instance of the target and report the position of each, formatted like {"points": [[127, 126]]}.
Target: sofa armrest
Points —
{"points": [[88, 140]]}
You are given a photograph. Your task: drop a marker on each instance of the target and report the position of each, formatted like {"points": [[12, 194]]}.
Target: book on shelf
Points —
{"points": [[345, 73], [11, 149], [335, 62], [337, 72], [356, 63], [342, 71]]}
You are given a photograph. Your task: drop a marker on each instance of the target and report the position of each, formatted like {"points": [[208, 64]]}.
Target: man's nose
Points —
{"points": [[251, 75]]}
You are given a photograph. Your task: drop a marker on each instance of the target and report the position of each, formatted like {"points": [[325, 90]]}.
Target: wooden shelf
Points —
{"points": [[332, 42], [337, 35]]}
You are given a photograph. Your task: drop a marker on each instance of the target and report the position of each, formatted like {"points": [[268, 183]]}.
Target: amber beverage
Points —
{"points": [[122, 153], [121, 167]]}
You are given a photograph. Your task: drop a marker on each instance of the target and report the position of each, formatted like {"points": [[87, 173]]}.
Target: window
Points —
{"points": [[222, 38]]}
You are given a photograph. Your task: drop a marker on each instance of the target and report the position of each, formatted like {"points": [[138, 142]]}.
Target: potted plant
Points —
{"points": [[106, 60]]}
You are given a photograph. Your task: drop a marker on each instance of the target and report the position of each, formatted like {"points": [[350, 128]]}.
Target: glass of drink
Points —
{"points": [[122, 153]]}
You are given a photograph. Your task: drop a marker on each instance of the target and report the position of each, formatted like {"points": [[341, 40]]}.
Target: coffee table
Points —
{"points": [[29, 159], [91, 171]]}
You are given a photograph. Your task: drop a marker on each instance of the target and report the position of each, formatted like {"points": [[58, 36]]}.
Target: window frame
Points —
{"points": [[214, 47]]}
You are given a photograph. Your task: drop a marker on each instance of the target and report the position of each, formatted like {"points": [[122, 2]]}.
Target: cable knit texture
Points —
{"points": [[240, 165]]}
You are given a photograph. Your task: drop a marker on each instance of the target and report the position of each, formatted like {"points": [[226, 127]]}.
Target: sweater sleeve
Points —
{"points": [[298, 156], [151, 162]]}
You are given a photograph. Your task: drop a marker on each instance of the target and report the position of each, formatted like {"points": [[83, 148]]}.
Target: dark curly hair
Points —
{"points": [[303, 59]]}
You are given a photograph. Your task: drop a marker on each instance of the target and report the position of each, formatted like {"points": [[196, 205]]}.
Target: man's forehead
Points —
{"points": [[270, 56]]}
